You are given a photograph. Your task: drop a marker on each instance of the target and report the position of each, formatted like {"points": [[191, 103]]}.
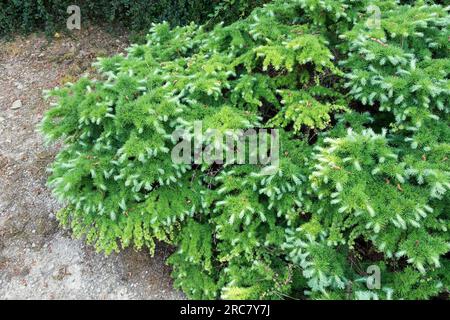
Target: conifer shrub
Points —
{"points": [[363, 176]]}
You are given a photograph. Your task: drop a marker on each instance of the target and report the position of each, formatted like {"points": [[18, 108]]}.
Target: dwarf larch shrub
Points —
{"points": [[363, 174]]}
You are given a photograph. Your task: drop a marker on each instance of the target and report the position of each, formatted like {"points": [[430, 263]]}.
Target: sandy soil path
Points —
{"points": [[38, 260]]}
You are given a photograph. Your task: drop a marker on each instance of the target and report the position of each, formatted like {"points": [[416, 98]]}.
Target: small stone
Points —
{"points": [[2, 119], [16, 105]]}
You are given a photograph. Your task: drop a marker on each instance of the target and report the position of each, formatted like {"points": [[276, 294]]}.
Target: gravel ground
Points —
{"points": [[39, 260]]}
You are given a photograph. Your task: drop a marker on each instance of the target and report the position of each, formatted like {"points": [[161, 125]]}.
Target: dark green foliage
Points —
{"points": [[137, 15], [364, 174]]}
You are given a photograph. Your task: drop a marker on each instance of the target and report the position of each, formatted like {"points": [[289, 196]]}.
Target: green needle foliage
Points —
{"points": [[363, 177]]}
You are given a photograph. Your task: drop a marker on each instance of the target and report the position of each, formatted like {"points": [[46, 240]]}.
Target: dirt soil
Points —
{"points": [[39, 260]]}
